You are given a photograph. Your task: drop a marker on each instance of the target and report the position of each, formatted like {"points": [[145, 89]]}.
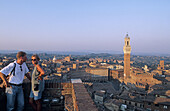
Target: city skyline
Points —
{"points": [[83, 26]]}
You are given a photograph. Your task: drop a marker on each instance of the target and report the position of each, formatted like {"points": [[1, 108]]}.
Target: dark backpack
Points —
{"points": [[13, 71]]}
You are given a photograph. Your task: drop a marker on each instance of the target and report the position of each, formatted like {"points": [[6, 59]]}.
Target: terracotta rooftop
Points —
{"points": [[164, 101], [83, 101]]}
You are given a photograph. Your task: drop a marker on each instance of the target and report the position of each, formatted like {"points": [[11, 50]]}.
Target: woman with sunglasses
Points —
{"points": [[37, 84]]}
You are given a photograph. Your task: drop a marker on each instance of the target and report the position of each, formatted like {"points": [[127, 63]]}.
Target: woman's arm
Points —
{"points": [[41, 72]]}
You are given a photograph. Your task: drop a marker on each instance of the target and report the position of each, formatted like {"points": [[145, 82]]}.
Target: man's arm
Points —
{"points": [[28, 76], [6, 83]]}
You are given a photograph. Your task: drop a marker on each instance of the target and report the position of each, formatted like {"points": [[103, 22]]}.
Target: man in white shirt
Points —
{"points": [[14, 89]]}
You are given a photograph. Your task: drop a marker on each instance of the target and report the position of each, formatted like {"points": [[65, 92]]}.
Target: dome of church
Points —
{"points": [[54, 59]]}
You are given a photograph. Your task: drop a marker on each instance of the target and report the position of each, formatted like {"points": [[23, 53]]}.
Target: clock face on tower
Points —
{"points": [[128, 49]]}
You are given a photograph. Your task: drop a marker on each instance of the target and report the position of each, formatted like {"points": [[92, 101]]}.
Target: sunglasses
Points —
{"points": [[21, 68], [33, 59]]}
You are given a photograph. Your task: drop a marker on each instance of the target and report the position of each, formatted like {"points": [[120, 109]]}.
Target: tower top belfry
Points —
{"points": [[127, 47]]}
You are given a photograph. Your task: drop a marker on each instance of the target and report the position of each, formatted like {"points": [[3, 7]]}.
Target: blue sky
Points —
{"points": [[85, 25]]}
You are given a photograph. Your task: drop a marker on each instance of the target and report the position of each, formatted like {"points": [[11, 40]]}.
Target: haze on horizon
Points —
{"points": [[86, 25]]}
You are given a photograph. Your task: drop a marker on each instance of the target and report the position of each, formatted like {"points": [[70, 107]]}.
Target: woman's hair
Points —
{"points": [[37, 57]]}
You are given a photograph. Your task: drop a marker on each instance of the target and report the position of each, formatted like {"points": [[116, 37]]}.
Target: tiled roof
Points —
{"points": [[83, 101], [164, 101]]}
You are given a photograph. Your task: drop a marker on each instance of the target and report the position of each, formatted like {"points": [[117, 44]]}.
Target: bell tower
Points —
{"points": [[127, 51]]}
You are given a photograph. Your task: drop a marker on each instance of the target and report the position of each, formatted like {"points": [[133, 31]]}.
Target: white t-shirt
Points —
{"points": [[20, 71]]}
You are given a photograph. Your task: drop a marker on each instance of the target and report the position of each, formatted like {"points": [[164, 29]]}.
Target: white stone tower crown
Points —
{"points": [[127, 47]]}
